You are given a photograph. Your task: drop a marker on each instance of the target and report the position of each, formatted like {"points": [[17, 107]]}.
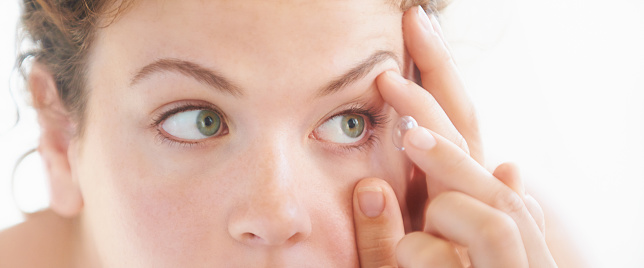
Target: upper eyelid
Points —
{"points": [[374, 115], [157, 123], [356, 106], [374, 119], [160, 116]]}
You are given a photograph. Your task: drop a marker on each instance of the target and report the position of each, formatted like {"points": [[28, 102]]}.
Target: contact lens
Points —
{"points": [[401, 127]]}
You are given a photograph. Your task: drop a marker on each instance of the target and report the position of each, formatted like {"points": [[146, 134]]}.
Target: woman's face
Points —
{"points": [[234, 132]]}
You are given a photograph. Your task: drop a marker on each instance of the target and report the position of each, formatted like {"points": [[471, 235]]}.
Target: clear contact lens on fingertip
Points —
{"points": [[401, 127]]}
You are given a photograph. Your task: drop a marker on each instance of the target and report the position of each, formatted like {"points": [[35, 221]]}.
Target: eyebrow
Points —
{"points": [[191, 69], [217, 81], [359, 71]]}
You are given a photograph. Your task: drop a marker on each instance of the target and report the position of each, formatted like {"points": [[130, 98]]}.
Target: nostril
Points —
{"points": [[296, 237], [270, 218], [250, 237], [271, 239]]}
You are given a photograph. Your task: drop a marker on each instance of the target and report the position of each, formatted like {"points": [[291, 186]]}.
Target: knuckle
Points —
{"points": [[434, 255], [427, 103], [447, 197], [472, 119], [462, 143], [499, 232], [508, 202], [378, 250], [440, 51], [461, 162], [419, 249]]}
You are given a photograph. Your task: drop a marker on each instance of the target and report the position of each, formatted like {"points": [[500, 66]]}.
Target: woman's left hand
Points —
{"points": [[478, 212], [487, 214], [497, 226]]}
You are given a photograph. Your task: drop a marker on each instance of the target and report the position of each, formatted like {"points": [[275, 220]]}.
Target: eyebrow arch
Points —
{"points": [[355, 73], [217, 81], [190, 69]]}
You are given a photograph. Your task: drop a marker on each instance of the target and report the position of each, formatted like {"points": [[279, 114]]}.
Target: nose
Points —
{"points": [[272, 213], [270, 220]]}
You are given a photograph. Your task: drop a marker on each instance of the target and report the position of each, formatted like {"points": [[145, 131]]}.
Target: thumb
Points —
{"points": [[378, 223]]}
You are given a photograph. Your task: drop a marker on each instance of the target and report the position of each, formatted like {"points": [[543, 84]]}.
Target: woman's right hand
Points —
{"points": [[472, 215]]}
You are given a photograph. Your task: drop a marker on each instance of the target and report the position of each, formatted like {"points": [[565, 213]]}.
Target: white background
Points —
{"points": [[559, 86]]}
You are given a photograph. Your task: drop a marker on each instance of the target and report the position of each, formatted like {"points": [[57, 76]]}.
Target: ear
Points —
{"points": [[57, 132]]}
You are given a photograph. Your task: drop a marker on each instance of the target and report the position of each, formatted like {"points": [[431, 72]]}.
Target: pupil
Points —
{"points": [[352, 122], [208, 121]]}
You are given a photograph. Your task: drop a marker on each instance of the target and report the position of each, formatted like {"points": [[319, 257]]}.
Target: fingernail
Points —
{"points": [[371, 200], [404, 124], [424, 20], [422, 139], [434, 22], [397, 77]]}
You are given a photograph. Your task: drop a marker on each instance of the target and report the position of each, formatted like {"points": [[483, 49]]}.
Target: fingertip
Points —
{"points": [[372, 196], [436, 25], [509, 174], [396, 77], [371, 200], [418, 18], [506, 169], [394, 88], [424, 41], [391, 80], [420, 138], [370, 183], [423, 19], [408, 243]]}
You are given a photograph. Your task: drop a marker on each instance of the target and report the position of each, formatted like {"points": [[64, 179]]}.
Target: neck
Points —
{"points": [[83, 246]]}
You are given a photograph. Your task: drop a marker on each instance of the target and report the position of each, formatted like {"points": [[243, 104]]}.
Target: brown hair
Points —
{"points": [[62, 32]]}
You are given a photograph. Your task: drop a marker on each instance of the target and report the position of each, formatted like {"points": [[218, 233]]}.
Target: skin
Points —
{"points": [[473, 217], [270, 193], [266, 194]]}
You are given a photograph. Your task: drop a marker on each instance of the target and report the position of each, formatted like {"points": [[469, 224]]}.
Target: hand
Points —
{"points": [[472, 213]]}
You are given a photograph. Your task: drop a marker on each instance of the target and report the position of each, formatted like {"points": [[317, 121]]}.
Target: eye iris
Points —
{"points": [[353, 125], [208, 122]]}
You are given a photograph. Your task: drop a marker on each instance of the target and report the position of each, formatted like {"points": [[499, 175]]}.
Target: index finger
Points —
{"points": [[445, 162]]}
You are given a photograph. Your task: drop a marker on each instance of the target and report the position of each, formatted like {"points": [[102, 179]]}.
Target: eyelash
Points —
{"points": [[375, 116], [158, 120]]}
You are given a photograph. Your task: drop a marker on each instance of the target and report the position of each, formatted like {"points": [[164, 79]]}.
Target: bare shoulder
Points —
{"points": [[43, 240]]}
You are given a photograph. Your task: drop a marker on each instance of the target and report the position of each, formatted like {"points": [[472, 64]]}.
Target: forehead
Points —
{"points": [[251, 41]]}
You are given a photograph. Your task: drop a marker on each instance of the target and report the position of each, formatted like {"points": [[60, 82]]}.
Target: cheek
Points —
{"points": [[138, 204], [171, 206], [176, 223], [161, 207]]}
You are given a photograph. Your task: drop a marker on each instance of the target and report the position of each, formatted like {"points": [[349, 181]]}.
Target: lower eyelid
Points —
{"points": [[374, 119]]}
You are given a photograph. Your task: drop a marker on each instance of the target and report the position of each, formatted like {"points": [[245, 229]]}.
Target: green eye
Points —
{"points": [[352, 125], [345, 128], [208, 122]]}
